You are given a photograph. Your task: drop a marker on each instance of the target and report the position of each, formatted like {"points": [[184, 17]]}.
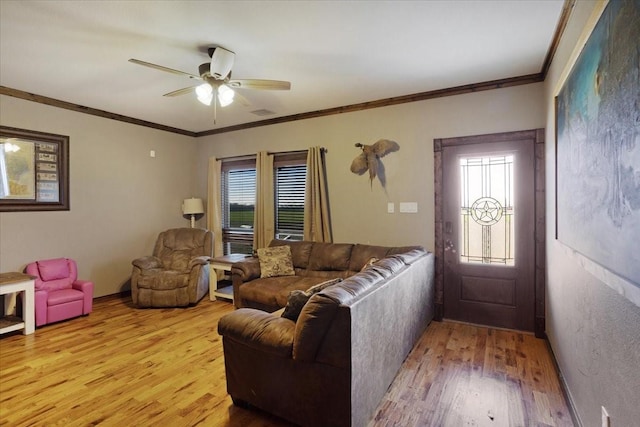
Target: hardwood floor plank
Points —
{"points": [[498, 378], [124, 366]]}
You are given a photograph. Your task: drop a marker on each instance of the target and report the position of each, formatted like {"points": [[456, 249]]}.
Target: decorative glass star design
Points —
{"points": [[486, 211]]}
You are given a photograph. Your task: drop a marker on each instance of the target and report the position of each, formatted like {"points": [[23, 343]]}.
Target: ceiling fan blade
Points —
{"points": [[259, 84], [182, 91], [242, 100], [161, 68]]}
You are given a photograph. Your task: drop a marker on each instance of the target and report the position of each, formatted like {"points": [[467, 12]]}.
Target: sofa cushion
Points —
{"points": [[310, 331], [178, 260], [392, 263], [274, 291], [300, 251], [53, 269], [64, 296], [158, 279], [177, 247], [325, 275], [297, 299], [330, 256], [275, 261], [411, 256], [259, 331], [353, 286]]}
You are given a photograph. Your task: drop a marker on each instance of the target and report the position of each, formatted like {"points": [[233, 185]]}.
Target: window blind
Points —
{"points": [[289, 203], [238, 207]]}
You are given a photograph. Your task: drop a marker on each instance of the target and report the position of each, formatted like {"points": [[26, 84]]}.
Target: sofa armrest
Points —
{"points": [[147, 263], [246, 270], [259, 330], [86, 287], [241, 272], [199, 260]]}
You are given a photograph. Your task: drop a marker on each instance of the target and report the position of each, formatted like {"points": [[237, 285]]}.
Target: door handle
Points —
{"points": [[448, 244]]}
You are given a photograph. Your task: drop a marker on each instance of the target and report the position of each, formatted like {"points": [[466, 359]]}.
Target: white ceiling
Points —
{"points": [[334, 53]]}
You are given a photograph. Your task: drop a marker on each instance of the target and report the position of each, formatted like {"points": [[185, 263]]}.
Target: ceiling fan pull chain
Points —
{"points": [[215, 106]]}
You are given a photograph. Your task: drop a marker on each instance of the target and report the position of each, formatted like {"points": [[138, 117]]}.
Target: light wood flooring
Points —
{"points": [[122, 366]]}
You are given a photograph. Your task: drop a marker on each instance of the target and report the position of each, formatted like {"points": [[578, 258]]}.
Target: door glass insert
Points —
{"points": [[486, 210]]}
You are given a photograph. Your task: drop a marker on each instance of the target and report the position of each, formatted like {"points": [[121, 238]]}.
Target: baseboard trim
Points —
{"points": [[539, 328], [439, 312], [565, 388], [123, 294]]}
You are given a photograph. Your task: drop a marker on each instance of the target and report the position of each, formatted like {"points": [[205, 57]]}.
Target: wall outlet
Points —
{"points": [[391, 207], [152, 153], [606, 422]]}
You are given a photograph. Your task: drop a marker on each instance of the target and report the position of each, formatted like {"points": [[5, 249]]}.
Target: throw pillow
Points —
{"points": [[53, 269], [298, 299], [295, 303], [369, 262], [275, 261]]}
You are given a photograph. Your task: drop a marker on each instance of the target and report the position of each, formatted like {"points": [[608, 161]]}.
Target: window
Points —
{"points": [[487, 212], [238, 200], [238, 194], [289, 203]]}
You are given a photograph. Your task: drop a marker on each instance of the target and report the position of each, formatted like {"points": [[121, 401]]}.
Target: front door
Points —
{"points": [[488, 230]]}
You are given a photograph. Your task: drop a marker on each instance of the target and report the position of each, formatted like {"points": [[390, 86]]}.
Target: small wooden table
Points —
{"points": [[222, 263], [18, 282]]}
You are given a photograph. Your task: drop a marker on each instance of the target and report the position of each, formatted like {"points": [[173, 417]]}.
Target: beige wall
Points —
{"points": [[359, 211], [593, 330], [120, 196]]}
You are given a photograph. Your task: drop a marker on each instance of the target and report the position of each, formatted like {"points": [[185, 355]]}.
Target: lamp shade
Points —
{"points": [[192, 206]]}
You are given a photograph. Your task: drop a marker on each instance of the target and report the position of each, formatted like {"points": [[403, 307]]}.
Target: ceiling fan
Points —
{"points": [[217, 81]]}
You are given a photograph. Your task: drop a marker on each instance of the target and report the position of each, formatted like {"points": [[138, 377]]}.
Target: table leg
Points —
{"points": [[28, 310], [213, 283]]}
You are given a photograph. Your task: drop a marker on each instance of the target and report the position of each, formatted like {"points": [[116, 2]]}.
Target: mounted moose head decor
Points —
{"points": [[369, 159]]}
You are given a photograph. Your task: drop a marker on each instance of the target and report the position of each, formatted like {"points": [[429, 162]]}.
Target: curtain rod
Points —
{"points": [[249, 156]]}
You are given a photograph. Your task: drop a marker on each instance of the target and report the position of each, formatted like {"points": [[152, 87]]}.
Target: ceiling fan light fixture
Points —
{"points": [[204, 92], [221, 62], [225, 95]]}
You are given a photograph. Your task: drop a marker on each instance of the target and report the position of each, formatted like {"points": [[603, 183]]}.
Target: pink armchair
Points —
{"points": [[59, 295]]}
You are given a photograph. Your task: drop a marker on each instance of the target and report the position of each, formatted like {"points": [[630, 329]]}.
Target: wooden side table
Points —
{"points": [[19, 282], [223, 263]]}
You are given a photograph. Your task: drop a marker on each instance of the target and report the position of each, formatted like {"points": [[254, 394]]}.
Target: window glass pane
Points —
{"points": [[289, 192], [238, 207], [241, 187], [486, 210]]}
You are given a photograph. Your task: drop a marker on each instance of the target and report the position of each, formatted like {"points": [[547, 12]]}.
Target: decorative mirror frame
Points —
{"points": [[46, 177]]}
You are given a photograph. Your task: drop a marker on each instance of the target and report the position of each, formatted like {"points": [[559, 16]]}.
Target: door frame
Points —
{"points": [[535, 137]]}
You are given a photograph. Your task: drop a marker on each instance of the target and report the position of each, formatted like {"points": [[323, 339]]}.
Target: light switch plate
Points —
{"points": [[408, 207], [391, 207]]}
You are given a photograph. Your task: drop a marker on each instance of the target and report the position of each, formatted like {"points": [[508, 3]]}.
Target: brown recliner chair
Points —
{"points": [[177, 274]]}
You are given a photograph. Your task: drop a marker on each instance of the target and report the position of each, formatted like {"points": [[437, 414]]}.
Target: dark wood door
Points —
{"points": [[489, 223]]}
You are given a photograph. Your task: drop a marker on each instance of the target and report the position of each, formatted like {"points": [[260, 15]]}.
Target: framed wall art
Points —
{"points": [[598, 145], [34, 171]]}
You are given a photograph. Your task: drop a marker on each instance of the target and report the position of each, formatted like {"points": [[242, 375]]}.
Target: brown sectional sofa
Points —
{"points": [[333, 365], [313, 263]]}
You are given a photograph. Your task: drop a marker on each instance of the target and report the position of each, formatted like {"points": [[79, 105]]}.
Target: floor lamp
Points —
{"points": [[192, 207]]}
